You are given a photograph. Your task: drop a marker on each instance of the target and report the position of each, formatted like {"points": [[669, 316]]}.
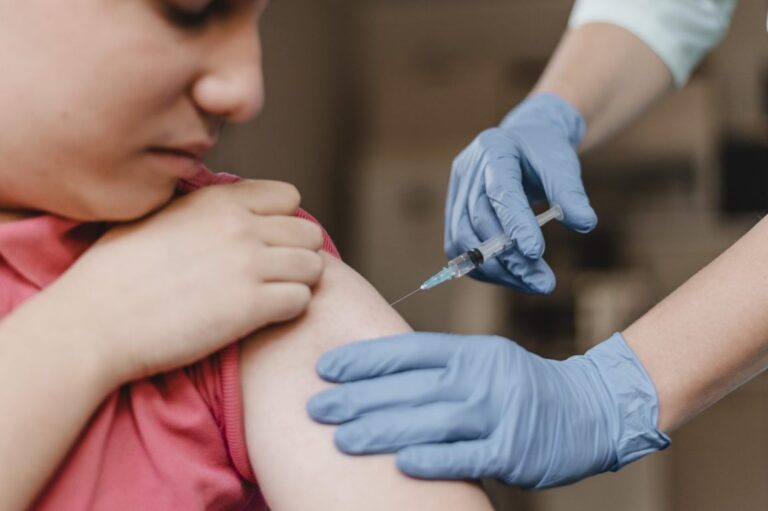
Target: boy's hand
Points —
{"points": [[207, 269]]}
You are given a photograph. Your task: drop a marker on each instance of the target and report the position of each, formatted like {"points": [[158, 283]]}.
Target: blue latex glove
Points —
{"points": [[529, 158], [456, 407]]}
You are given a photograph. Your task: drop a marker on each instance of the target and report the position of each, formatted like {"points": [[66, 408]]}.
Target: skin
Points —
{"points": [[610, 89], [710, 335], [98, 126], [79, 146], [288, 450], [88, 138]]}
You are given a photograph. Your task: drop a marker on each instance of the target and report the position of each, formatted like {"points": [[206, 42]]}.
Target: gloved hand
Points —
{"points": [[456, 407], [530, 157]]}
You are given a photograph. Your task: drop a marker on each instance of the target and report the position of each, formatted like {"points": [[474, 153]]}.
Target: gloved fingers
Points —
{"points": [[387, 355], [458, 460], [350, 401], [463, 236], [495, 272], [560, 173], [460, 236], [510, 203], [537, 276], [481, 215], [391, 430], [512, 267], [463, 174]]}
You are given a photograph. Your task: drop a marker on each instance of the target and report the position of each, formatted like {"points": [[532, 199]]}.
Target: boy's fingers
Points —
{"points": [[286, 231], [291, 265], [262, 197], [283, 301]]}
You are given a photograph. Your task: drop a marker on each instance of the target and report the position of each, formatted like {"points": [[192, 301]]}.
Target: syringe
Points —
{"points": [[471, 259]]}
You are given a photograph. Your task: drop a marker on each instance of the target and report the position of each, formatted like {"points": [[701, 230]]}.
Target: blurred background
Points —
{"points": [[368, 103]]}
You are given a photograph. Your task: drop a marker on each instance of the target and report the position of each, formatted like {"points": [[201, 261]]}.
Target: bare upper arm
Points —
{"points": [[294, 458]]}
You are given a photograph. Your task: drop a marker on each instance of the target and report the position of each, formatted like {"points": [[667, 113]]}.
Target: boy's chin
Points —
{"points": [[123, 209]]}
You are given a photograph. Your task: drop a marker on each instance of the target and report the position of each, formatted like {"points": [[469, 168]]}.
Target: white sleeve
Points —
{"points": [[681, 32]]}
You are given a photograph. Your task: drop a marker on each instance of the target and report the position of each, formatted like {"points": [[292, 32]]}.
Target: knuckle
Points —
{"points": [[210, 198], [233, 224], [247, 263], [215, 193], [481, 144]]}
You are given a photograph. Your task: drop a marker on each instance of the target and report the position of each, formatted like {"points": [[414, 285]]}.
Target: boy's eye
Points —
{"points": [[197, 16]]}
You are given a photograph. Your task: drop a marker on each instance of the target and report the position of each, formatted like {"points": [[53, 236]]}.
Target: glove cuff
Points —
{"points": [[552, 108], [634, 398]]}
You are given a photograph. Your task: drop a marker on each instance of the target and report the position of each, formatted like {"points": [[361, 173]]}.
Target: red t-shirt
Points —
{"points": [[173, 441]]}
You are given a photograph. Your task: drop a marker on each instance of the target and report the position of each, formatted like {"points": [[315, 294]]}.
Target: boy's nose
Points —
{"points": [[232, 85]]}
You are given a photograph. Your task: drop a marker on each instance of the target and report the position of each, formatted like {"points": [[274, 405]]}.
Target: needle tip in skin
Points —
{"points": [[404, 297]]}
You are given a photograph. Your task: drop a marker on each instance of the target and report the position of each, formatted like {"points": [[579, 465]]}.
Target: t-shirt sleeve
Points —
{"points": [[217, 379]]}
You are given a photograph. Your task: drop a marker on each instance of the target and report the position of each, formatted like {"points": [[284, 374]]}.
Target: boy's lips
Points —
{"points": [[194, 150], [181, 161]]}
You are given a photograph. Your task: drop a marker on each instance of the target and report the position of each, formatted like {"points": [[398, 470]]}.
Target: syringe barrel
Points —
{"points": [[495, 246], [465, 263], [501, 243], [471, 259]]}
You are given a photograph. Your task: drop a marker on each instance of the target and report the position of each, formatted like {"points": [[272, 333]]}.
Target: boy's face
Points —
{"points": [[106, 104]]}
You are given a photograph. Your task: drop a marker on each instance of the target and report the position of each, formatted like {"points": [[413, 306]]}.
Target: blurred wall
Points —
{"points": [[370, 100], [296, 137]]}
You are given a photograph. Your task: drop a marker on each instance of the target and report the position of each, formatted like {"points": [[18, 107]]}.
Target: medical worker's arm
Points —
{"points": [[611, 78], [294, 458], [608, 75], [616, 59], [711, 335], [481, 406]]}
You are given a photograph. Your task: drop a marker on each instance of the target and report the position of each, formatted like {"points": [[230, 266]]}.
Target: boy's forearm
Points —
{"points": [[709, 336], [49, 387], [607, 74]]}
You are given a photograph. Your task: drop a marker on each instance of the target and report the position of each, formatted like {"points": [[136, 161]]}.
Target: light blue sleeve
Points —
{"points": [[681, 32]]}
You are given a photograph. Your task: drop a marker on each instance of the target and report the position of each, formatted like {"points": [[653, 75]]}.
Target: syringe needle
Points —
{"points": [[404, 297]]}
